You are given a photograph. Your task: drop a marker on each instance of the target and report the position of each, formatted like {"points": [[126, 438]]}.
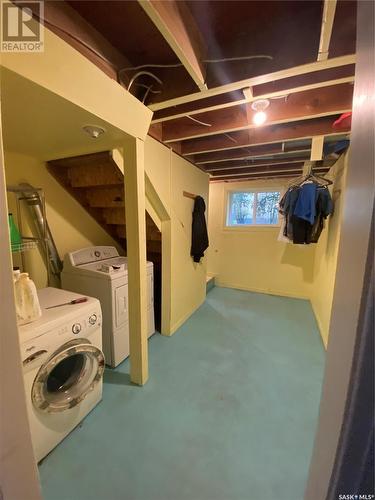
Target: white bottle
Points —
{"points": [[26, 298], [16, 274]]}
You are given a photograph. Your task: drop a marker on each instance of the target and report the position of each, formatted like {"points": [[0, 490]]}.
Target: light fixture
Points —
{"points": [[93, 131], [260, 106]]}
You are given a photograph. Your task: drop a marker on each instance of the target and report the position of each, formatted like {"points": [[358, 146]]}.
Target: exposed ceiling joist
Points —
{"points": [[329, 11], [269, 95], [258, 80], [262, 175], [258, 163], [252, 152], [261, 169], [302, 106], [175, 23], [264, 135]]}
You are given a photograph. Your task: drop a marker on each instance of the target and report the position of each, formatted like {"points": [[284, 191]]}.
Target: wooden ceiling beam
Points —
{"points": [[292, 131], [329, 11], [262, 175], [252, 152], [267, 95], [178, 27], [233, 165], [261, 169], [258, 80], [336, 99]]}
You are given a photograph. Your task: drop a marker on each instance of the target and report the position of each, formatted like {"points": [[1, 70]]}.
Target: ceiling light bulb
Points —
{"points": [[260, 106], [93, 131], [259, 118]]}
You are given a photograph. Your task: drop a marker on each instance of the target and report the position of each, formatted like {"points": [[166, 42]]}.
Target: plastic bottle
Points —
{"points": [[26, 298], [15, 237], [16, 274]]}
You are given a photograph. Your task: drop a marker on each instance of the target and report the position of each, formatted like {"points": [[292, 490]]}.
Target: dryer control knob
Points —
{"points": [[76, 328], [92, 319]]}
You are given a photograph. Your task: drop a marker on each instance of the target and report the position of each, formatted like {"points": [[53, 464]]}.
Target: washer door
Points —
{"points": [[69, 375]]}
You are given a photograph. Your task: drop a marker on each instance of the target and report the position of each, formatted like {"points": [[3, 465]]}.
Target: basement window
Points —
{"points": [[252, 208]]}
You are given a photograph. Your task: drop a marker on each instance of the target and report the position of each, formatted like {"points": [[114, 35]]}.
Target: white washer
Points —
{"points": [[100, 272], [63, 366]]}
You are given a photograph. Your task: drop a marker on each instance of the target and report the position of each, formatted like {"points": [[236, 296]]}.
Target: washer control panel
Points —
{"points": [[80, 326], [91, 254], [83, 325]]}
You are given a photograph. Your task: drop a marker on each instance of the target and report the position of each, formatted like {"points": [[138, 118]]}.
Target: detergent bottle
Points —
{"points": [[26, 299]]}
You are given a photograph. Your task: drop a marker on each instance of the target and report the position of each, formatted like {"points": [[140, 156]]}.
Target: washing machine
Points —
{"points": [[63, 366], [100, 272]]}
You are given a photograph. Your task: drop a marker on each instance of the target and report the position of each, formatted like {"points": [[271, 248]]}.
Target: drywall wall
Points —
{"points": [[326, 252], [71, 226], [170, 175], [252, 258]]}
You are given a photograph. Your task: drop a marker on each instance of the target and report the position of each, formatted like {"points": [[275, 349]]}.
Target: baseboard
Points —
{"points": [[182, 320], [267, 291], [320, 327]]}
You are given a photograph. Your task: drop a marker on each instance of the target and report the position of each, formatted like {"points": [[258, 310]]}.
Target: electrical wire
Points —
{"points": [[140, 73], [147, 87], [142, 66], [241, 58], [198, 121], [208, 61], [231, 138]]}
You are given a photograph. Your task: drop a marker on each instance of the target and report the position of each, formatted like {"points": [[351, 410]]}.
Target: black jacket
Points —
{"points": [[199, 236]]}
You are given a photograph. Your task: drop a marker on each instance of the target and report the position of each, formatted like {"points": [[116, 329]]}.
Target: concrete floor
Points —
{"points": [[229, 412]]}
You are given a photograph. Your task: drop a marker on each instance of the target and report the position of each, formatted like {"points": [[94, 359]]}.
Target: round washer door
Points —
{"points": [[68, 376]]}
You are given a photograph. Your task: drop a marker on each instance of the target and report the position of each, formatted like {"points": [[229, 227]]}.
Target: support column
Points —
{"points": [[134, 178]]}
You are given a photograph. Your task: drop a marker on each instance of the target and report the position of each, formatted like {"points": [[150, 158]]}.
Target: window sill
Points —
{"points": [[252, 228]]}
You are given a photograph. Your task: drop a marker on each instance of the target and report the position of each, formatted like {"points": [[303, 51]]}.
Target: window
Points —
{"points": [[250, 208]]}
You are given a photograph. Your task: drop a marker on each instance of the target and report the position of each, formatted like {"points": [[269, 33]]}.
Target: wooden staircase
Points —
{"points": [[97, 183]]}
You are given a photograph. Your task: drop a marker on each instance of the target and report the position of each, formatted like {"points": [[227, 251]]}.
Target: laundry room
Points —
{"points": [[181, 289]]}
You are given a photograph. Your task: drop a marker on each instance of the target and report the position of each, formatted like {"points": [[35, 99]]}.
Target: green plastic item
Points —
{"points": [[15, 237]]}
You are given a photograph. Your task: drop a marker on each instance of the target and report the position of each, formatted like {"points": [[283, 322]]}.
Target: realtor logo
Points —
{"points": [[20, 31]]}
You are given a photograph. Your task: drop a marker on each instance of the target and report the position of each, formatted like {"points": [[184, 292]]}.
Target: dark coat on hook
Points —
{"points": [[199, 236]]}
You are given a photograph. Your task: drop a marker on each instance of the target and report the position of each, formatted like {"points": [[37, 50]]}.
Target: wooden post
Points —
{"points": [[134, 178], [317, 148]]}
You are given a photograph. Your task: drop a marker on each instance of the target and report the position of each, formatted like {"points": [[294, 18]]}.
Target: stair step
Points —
{"points": [[114, 215], [121, 230], [106, 197], [97, 183], [95, 175]]}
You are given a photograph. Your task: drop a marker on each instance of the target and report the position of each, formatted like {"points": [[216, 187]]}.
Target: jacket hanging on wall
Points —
{"points": [[199, 236]]}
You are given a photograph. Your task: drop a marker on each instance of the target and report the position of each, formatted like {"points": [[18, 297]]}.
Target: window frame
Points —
{"points": [[249, 227]]}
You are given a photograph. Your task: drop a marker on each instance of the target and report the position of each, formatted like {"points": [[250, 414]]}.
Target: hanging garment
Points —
{"points": [[287, 205], [199, 236], [298, 229], [306, 204]]}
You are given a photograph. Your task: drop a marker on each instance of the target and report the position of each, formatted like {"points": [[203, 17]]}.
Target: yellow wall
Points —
{"points": [[170, 175], [326, 253], [252, 258], [68, 74], [71, 226]]}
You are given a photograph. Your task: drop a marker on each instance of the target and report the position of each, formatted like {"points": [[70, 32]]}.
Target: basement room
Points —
{"points": [[187, 252]]}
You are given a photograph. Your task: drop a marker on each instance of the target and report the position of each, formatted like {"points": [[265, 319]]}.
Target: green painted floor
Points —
{"points": [[229, 412]]}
